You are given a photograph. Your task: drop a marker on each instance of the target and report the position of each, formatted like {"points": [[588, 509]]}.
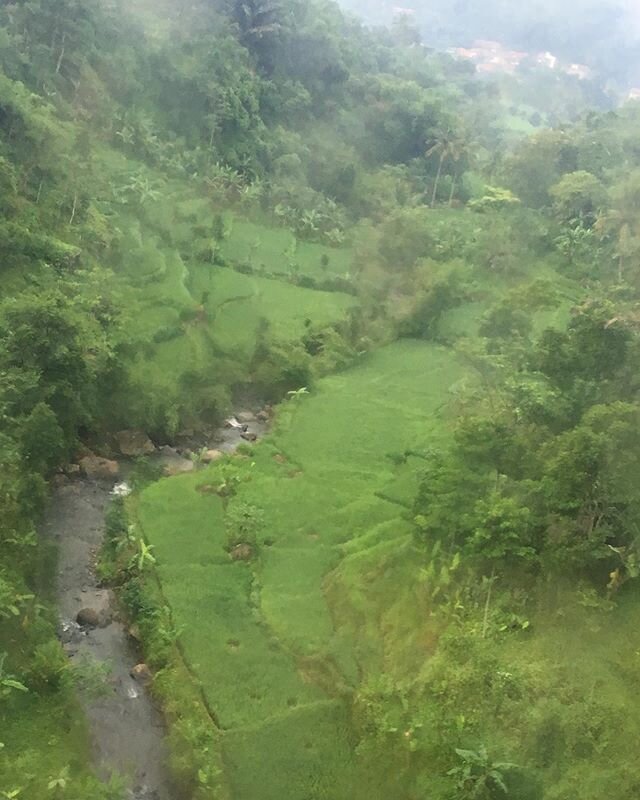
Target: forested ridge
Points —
{"points": [[423, 583]]}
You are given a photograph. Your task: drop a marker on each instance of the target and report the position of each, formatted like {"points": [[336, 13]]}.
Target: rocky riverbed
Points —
{"points": [[127, 731]]}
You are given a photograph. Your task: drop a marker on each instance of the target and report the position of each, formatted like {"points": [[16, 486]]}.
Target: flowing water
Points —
{"points": [[127, 732]]}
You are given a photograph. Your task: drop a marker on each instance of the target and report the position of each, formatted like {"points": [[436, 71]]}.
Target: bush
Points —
{"points": [[137, 600], [243, 521], [116, 520], [167, 333], [49, 668]]}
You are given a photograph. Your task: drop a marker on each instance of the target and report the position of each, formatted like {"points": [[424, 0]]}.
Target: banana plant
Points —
{"points": [[478, 776], [60, 782], [11, 794], [8, 683], [143, 558], [296, 394]]}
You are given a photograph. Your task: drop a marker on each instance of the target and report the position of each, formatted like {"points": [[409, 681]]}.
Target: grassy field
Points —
{"points": [[274, 248], [185, 321], [295, 645], [275, 662]]}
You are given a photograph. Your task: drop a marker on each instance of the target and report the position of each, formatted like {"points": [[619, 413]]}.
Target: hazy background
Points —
{"points": [[602, 34]]}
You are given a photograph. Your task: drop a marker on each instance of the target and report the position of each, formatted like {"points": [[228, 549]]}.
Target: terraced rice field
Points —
{"points": [[280, 641]]}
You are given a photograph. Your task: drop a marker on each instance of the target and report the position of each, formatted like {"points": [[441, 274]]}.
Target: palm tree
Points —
{"points": [[259, 21], [447, 144], [257, 17], [621, 222]]}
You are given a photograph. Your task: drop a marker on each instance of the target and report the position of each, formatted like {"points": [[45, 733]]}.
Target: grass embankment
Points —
{"points": [[43, 731], [274, 248], [274, 662]]}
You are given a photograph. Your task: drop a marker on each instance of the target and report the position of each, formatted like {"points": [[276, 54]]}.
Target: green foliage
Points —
{"points": [[48, 668], [503, 530], [244, 522], [494, 198], [211, 198], [478, 777], [578, 198], [8, 683]]}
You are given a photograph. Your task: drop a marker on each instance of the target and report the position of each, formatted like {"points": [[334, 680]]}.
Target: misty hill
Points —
{"points": [[604, 35]]}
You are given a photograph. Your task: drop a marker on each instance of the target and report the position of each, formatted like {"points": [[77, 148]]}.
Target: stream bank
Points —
{"points": [[127, 731]]}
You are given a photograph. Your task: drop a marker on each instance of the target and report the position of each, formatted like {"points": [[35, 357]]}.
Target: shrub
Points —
{"points": [[49, 668], [243, 522]]}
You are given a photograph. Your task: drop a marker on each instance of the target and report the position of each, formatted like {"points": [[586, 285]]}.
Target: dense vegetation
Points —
{"points": [[207, 201]]}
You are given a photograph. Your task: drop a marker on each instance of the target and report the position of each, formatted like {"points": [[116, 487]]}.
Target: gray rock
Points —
{"points": [[178, 466], [92, 618], [99, 469], [212, 455], [88, 618], [246, 416], [141, 673], [134, 632], [135, 443], [70, 633]]}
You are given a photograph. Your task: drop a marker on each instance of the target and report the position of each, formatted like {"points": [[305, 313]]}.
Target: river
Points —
{"points": [[127, 730]]}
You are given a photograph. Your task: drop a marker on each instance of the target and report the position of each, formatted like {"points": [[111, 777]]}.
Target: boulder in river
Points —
{"points": [[99, 469], [263, 416], [249, 436], [135, 443], [212, 455], [59, 480], [134, 632], [141, 673], [178, 466], [70, 632], [246, 416], [92, 618]]}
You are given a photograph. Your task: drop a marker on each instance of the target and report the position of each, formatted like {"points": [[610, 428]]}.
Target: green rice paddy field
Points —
{"points": [[279, 643], [333, 608], [184, 319]]}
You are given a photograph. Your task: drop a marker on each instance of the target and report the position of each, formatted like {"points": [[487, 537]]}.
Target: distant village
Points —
{"points": [[492, 57]]}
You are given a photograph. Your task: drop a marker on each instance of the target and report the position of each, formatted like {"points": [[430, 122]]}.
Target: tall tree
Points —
{"points": [[260, 22], [446, 144]]}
